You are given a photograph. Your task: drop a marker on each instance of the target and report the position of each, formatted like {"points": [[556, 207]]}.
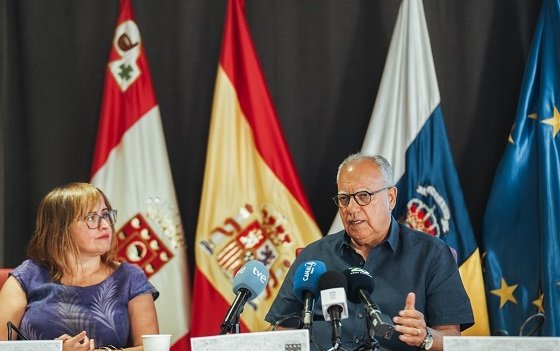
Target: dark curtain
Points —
{"points": [[323, 61]]}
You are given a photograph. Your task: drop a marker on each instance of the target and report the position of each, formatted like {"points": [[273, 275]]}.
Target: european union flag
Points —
{"points": [[521, 233]]}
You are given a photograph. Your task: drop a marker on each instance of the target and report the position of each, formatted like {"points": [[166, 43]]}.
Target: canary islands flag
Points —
{"points": [[407, 128], [253, 206], [521, 229]]}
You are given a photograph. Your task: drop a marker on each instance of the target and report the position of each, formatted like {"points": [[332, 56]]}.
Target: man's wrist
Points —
{"points": [[428, 341]]}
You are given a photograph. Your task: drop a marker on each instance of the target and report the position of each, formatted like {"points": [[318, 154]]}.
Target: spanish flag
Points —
{"points": [[253, 206], [131, 166]]}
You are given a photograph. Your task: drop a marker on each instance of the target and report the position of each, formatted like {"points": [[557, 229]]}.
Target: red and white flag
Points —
{"points": [[131, 166], [253, 206]]}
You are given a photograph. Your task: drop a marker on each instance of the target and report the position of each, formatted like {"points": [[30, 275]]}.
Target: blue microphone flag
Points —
{"points": [[252, 276], [306, 278]]}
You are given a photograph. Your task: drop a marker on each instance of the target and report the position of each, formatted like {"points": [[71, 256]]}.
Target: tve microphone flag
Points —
{"points": [[521, 228], [407, 128], [253, 205], [131, 166]]}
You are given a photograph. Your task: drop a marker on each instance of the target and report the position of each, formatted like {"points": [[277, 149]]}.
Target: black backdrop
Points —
{"points": [[322, 59]]}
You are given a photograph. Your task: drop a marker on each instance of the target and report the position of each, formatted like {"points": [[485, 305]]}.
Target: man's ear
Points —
{"points": [[392, 194]]}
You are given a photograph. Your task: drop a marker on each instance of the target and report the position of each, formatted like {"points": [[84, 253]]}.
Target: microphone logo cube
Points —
{"points": [[332, 297]]}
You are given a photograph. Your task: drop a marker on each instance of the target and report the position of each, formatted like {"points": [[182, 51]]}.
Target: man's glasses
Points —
{"points": [[93, 220], [362, 198]]}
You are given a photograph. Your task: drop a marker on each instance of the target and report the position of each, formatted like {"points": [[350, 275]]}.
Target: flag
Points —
{"points": [[407, 128], [131, 166], [521, 232], [253, 205]]}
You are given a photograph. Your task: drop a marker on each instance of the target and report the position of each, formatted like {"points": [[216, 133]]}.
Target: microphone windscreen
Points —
{"points": [[252, 276], [332, 279], [306, 278], [358, 279]]}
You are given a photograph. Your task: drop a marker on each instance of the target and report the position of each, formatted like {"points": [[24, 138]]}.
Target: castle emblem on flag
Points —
{"points": [[251, 235], [431, 219], [126, 44], [139, 244]]}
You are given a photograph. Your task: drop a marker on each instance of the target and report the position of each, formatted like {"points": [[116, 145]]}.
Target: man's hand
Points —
{"points": [[410, 323]]}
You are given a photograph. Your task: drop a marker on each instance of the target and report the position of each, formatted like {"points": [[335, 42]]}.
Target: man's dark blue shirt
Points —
{"points": [[407, 261]]}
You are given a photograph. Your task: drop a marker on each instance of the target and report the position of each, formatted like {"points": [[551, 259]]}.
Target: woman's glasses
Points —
{"points": [[93, 220]]}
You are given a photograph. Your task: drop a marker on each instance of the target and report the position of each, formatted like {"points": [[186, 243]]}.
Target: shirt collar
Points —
{"points": [[392, 241]]}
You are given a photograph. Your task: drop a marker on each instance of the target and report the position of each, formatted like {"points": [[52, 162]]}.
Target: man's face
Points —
{"points": [[369, 224]]}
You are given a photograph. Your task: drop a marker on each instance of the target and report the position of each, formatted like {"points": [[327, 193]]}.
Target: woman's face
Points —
{"points": [[96, 241]]}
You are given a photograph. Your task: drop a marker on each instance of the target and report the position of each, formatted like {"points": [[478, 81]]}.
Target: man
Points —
{"points": [[416, 277]]}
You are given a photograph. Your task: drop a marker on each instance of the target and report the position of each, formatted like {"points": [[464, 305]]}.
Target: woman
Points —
{"points": [[72, 287]]}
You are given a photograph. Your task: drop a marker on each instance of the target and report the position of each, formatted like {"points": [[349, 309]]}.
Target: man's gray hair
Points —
{"points": [[380, 161]]}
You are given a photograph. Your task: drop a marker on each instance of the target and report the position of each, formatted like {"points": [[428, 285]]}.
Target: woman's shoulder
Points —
{"points": [[130, 270], [30, 267], [31, 273], [135, 277]]}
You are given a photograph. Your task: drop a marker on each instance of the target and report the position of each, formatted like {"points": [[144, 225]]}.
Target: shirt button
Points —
{"points": [[360, 315], [357, 341], [362, 263]]}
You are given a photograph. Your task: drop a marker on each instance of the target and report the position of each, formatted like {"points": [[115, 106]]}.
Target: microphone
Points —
{"points": [[333, 298], [306, 281], [248, 283], [360, 286]]}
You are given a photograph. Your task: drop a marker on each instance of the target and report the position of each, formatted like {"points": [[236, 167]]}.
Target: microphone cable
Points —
{"points": [[287, 318], [11, 327], [541, 318]]}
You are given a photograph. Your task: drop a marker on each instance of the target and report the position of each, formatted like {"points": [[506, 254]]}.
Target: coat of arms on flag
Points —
{"points": [[420, 215], [127, 45], [262, 235]]}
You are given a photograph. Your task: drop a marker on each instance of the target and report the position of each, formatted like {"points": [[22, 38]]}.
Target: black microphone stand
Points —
{"points": [[231, 323], [307, 316], [371, 344], [232, 327]]}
